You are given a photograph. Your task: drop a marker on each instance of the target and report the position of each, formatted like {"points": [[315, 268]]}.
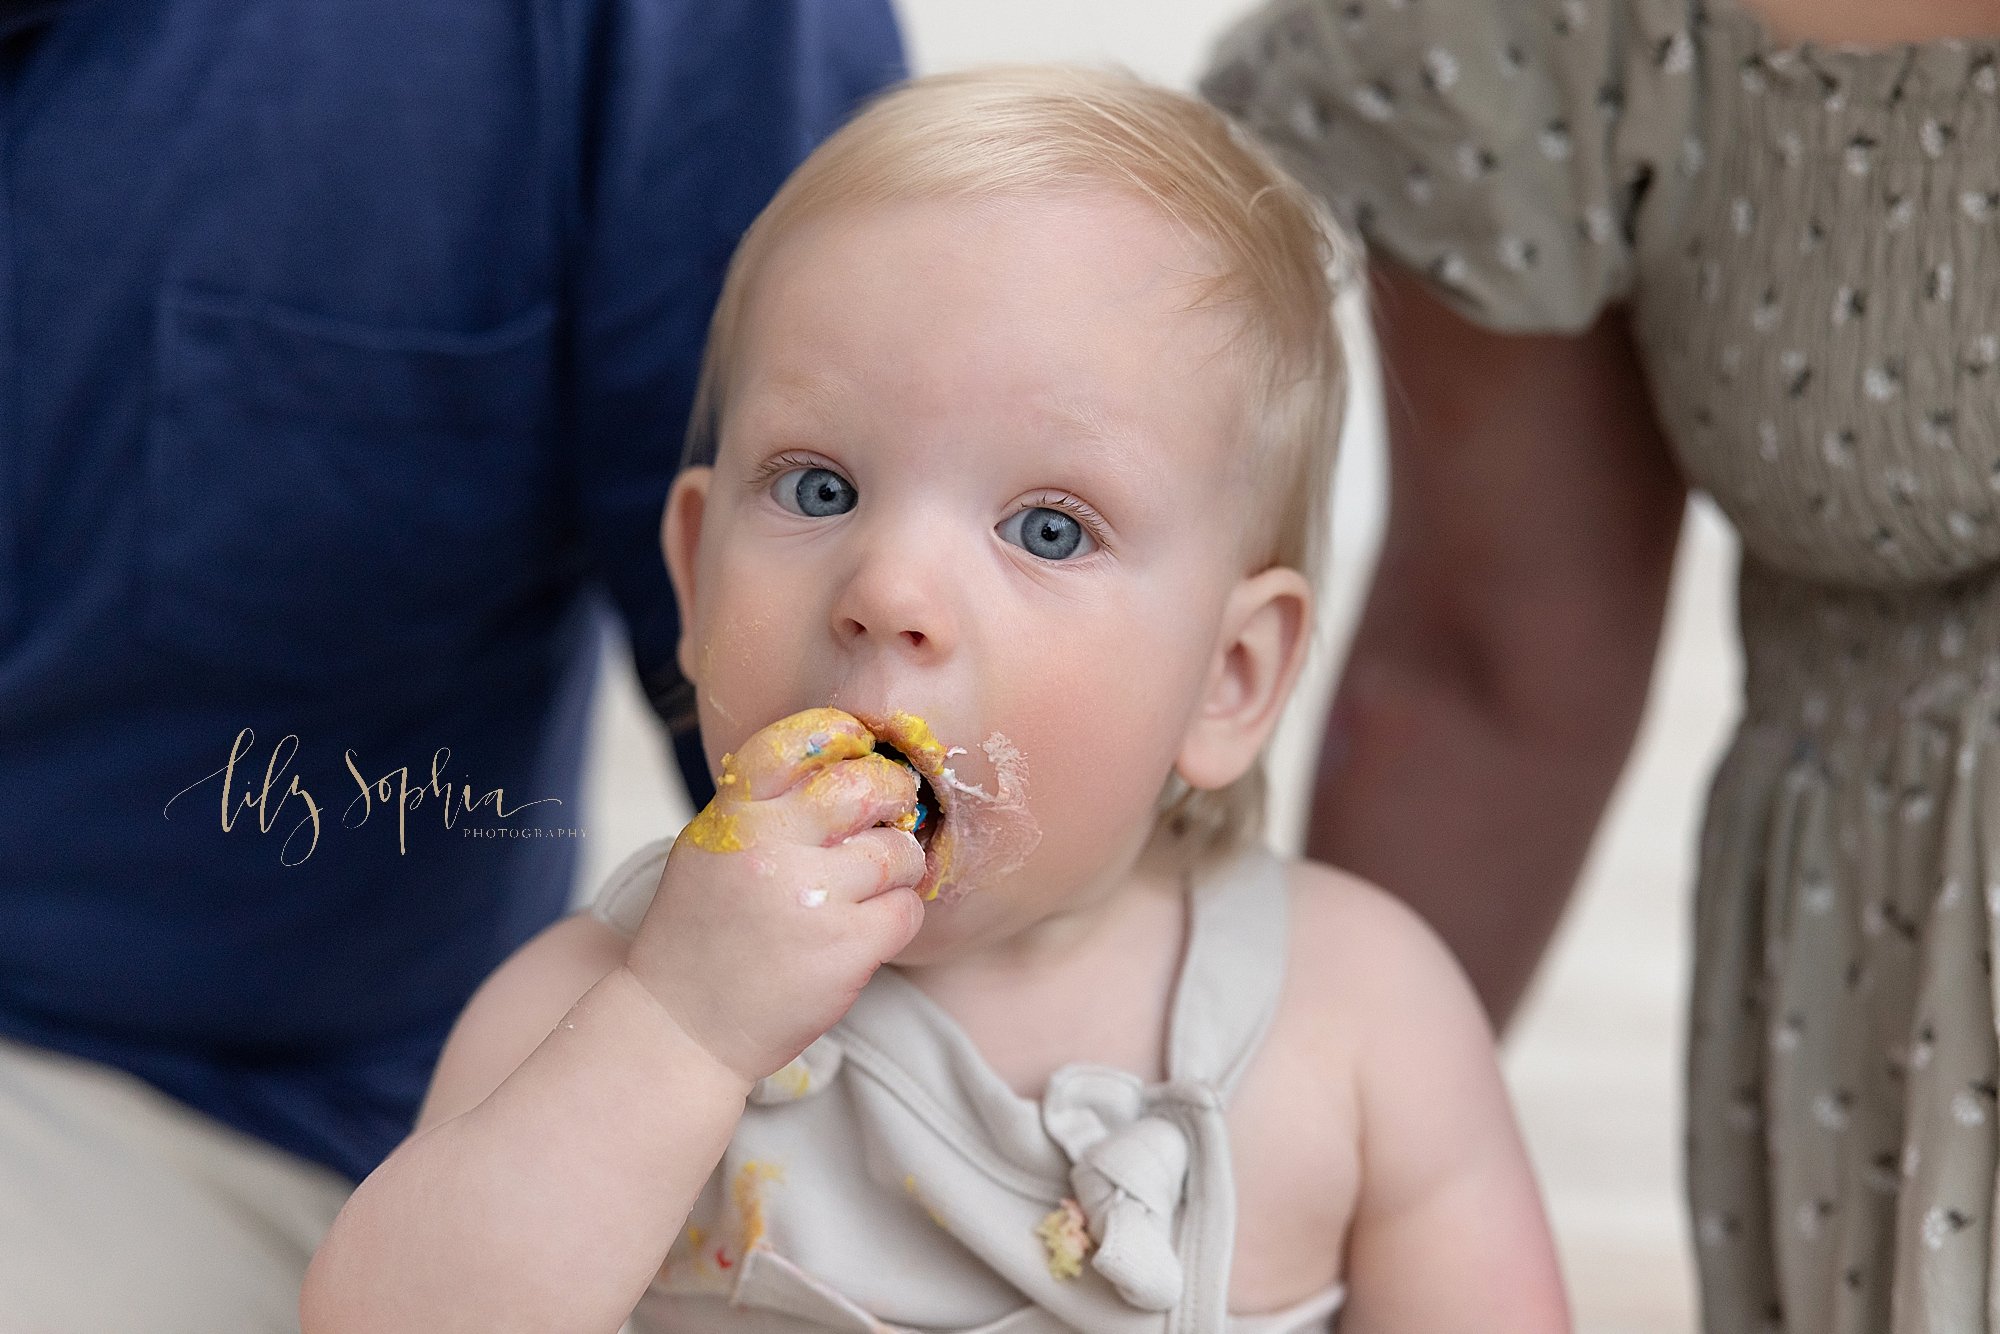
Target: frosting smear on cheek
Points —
{"points": [[983, 830]]}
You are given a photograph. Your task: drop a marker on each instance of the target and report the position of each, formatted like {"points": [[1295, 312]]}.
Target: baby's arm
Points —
{"points": [[590, 1087], [567, 1131], [1449, 1233]]}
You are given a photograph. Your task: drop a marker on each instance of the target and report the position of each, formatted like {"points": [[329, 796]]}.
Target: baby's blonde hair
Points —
{"points": [[1033, 130]]}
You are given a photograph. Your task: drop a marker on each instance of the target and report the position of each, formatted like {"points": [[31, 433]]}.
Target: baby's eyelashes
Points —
{"points": [[1049, 533], [814, 492], [1055, 529]]}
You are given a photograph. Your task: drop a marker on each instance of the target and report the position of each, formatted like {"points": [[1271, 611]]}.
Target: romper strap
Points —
{"points": [[1234, 968]]}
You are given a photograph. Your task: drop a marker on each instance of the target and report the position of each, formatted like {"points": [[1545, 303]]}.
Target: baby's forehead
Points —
{"points": [[1086, 228], [1104, 285]]}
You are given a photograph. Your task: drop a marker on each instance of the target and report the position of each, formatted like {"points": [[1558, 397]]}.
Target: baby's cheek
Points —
{"points": [[743, 658], [749, 607], [1098, 772]]}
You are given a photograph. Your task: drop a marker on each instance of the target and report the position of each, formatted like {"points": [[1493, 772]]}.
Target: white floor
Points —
{"points": [[1594, 1060]]}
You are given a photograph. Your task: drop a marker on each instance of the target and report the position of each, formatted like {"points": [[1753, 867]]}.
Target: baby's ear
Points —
{"points": [[680, 539], [1259, 652]]}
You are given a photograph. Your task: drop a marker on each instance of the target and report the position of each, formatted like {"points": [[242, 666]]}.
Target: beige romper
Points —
{"points": [[1807, 241], [888, 1178]]}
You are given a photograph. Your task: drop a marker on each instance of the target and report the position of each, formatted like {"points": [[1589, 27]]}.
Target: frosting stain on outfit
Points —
{"points": [[919, 1191]]}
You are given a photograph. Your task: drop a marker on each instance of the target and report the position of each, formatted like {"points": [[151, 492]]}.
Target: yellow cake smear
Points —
{"points": [[913, 736], [910, 1189], [815, 733], [828, 735], [945, 856], [686, 1249], [821, 733], [795, 1079], [748, 1192], [1067, 1238], [713, 830]]}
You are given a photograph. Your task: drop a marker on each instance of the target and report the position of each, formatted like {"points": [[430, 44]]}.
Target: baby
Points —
{"points": [[1007, 474]]}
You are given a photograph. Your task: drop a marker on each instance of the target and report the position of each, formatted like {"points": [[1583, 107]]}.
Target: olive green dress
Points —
{"points": [[1808, 242]]}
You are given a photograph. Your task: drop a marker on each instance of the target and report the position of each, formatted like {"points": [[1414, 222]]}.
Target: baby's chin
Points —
{"points": [[941, 939], [951, 931]]}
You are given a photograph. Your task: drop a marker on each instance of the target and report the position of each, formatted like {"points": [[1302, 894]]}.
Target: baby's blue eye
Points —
{"points": [[1050, 534], [814, 492]]}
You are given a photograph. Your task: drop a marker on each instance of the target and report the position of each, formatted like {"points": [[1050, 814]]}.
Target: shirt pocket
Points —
{"points": [[323, 497]]}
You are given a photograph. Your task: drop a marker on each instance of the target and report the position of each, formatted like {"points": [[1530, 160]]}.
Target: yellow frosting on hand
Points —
{"points": [[818, 734], [714, 828]]}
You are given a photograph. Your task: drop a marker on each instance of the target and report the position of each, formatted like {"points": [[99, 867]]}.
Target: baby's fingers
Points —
{"points": [[781, 754], [849, 797], [873, 862], [874, 875]]}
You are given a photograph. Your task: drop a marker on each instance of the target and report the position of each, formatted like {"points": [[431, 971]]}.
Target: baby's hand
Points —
{"points": [[781, 898]]}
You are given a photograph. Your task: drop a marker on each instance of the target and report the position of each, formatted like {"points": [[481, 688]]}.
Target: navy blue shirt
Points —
{"points": [[346, 351]]}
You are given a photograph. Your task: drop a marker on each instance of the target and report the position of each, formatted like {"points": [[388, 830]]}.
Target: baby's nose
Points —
{"points": [[898, 600]]}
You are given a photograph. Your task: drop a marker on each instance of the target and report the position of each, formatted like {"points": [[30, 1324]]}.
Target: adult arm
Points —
{"points": [[1502, 661]]}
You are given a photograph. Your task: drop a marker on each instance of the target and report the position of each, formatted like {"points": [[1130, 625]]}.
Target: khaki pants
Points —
{"points": [[124, 1211]]}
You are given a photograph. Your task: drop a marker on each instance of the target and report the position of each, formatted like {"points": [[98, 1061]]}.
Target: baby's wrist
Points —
{"points": [[691, 1057]]}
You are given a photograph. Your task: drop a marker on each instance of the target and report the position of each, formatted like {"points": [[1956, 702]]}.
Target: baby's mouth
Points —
{"points": [[924, 821], [969, 833], [908, 740]]}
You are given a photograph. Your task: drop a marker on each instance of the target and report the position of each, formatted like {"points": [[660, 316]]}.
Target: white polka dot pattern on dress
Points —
{"points": [[1807, 244]]}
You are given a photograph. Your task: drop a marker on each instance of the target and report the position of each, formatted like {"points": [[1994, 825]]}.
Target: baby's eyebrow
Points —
{"points": [[1077, 415], [805, 395], [1080, 421]]}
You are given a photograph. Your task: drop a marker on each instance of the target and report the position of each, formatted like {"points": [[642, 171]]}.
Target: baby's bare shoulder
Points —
{"points": [[1374, 1003], [1360, 970], [1384, 1028], [1414, 1042], [1363, 976], [1367, 956]]}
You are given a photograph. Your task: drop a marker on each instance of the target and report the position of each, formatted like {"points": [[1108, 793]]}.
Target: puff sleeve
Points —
{"points": [[1521, 153]]}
